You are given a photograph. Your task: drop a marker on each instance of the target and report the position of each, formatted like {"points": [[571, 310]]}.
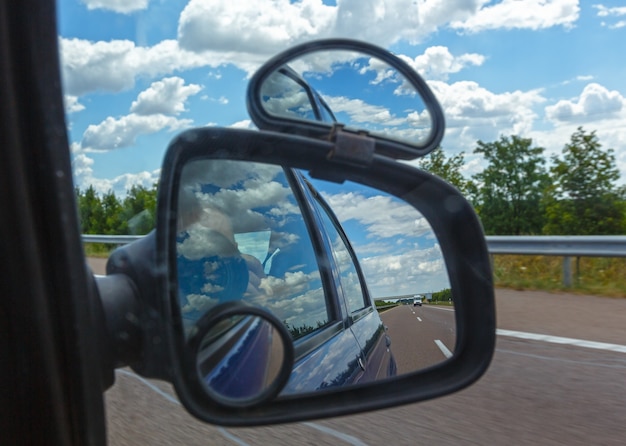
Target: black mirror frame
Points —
{"points": [[384, 146], [453, 220]]}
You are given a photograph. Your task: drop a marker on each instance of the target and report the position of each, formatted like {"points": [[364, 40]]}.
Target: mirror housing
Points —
{"points": [[453, 220], [406, 83]]}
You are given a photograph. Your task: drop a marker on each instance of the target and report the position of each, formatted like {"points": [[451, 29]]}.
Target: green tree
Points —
{"points": [[114, 222], [140, 209], [447, 168], [583, 198], [509, 191], [90, 211]]}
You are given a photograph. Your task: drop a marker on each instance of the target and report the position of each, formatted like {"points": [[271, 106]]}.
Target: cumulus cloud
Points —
{"points": [[115, 133], [418, 270], [268, 26], [595, 102], [611, 12], [437, 62], [71, 104], [82, 168], [212, 25], [115, 65], [467, 104], [246, 33], [121, 6], [166, 96], [362, 113], [515, 14], [381, 215]]}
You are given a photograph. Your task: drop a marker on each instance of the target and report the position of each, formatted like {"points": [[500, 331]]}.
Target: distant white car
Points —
{"points": [[417, 302]]}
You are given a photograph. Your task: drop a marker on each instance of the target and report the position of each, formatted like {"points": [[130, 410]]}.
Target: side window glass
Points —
{"points": [[242, 236], [350, 283]]}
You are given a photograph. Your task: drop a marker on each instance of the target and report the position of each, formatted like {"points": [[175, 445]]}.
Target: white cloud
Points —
{"points": [[527, 14], [616, 11], [244, 124], [437, 62], [468, 105], [264, 26], [121, 6], [118, 133], [166, 96], [595, 102], [82, 169], [361, 112], [268, 26], [381, 215], [71, 104], [246, 33], [115, 65]]}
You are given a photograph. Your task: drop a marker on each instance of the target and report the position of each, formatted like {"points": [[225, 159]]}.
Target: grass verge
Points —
{"points": [[600, 276]]}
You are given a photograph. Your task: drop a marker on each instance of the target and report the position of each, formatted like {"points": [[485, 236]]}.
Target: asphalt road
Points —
{"points": [[545, 386], [420, 336]]}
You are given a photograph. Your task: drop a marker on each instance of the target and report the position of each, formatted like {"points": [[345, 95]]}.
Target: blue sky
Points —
{"points": [[136, 72]]}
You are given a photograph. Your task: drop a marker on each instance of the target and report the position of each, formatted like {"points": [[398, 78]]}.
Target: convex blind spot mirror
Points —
{"points": [[315, 88], [242, 355]]}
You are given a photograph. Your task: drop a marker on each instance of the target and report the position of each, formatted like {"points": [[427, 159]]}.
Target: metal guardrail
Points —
{"points": [[110, 239], [552, 245], [547, 245], [566, 246]]}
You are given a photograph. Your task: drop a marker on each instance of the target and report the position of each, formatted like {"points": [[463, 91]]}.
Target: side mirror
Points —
{"points": [[256, 296], [219, 189]]}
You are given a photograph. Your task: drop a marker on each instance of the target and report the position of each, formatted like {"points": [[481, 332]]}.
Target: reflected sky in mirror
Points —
{"points": [[404, 270], [357, 90]]}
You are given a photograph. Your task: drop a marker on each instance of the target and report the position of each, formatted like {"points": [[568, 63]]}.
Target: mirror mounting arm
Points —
{"points": [[356, 149]]}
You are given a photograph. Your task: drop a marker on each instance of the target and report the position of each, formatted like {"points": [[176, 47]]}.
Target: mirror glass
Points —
{"points": [[355, 274], [351, 88], [239, 358]]}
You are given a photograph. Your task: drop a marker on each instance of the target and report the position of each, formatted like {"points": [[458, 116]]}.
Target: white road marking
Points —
{"points": [[560, 340], [439, 308], [447, 353], [170, 398], [419, 319], [340, 435]]}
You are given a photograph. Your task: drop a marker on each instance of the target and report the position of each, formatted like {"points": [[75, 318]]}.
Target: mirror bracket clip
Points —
{"points": [[351, 148]]}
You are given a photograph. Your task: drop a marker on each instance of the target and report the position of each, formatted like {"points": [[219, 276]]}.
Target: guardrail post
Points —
{"points": [[567, 272]]}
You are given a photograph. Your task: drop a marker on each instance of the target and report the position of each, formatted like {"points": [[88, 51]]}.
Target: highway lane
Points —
{"points": [[535, 392], [420, 336]]}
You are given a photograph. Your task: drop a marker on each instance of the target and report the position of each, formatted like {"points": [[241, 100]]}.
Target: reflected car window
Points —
{"points": [[349, 278], [243, 237]]}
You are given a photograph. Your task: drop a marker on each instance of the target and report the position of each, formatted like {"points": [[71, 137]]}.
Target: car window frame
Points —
{"points": [[322, 206], [310, 342]]}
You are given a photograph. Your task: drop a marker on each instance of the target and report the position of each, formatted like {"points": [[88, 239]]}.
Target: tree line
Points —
{"points": [[135, 214], [515, 194]]}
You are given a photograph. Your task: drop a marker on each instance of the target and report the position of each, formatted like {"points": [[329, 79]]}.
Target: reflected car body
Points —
{"points": [[234, 363]]}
